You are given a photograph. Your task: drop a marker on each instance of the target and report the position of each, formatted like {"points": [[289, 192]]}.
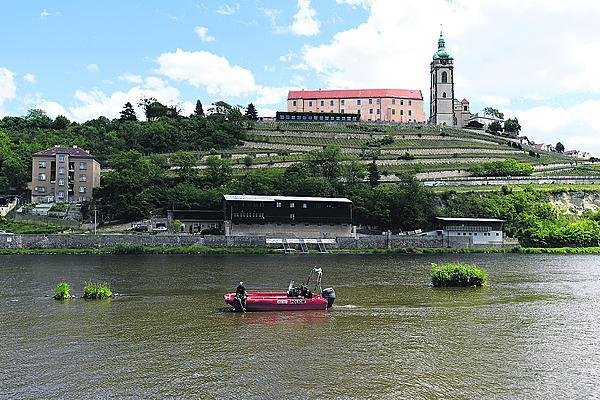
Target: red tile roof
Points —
{"points": [[355, 93], [71, 151], [464, 101]]}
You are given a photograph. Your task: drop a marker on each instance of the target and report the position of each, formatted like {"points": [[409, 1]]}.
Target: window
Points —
{"points": [[291, 205], [42, 164], [42, 177], [393, 112], [393, 101], [444, 77], [61, 171], [82, 178], [322, 103], [342, 110], [370, 101], [61, 158], [310, 103], [61, 195], [41, 189], [331, 103], [409, 112], [61, 182], [444, 95], [294, 103], [378, 101], [82, 199], [81, 189], [292, 216], [342, 102], [401, 112], [378, 110], [358, 102], [304, 205], [401, 102], [82, 165], [410, 102], [278, 204], [370, 111], [465, 108]]}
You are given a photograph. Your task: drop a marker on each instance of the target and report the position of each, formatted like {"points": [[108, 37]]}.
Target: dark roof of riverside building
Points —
{"points": [[70, 151], [447, 219], [243, 197]]}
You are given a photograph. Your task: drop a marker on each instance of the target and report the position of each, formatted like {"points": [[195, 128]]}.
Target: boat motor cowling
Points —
{"points": [[329, 294]]}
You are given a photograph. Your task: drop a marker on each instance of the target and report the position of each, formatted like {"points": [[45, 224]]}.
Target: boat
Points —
{"points": [[294, 299]]}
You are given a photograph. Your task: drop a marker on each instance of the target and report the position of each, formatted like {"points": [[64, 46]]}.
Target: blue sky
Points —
{"points": [[534, 59]]}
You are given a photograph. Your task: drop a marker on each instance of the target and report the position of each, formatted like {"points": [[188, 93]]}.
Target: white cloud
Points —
{"points": [[45, 14], [202, 33], [91, 104], [8, 87], [93, 68], [355, 3], [305, 23], [576, 127], [29, 78], [204, 69], [131, 78], [227, 9], [287, 57], [271, 95]]}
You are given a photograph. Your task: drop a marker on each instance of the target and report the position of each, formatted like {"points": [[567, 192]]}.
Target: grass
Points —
{"points": [[96, 291], [62, 291], [21, 227], [457, 275]]}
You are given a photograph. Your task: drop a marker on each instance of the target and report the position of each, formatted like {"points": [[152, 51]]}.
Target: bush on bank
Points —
{"points": [[457, 275]]}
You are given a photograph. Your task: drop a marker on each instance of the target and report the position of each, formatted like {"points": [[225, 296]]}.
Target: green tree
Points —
{"points": [[128, 113], [495, 127], [493, 112], [186, 165], [326, 163], [61, 122], [512, 126], [374, 175], [559, 147], [218, 171], [353, 173], [251, 112], [199, 111]]}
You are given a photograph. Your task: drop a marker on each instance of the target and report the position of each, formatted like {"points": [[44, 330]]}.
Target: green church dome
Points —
{"points": [[442, 53]]}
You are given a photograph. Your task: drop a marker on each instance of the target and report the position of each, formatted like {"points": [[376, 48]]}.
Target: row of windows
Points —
{"points": [[284, 116], [248, 215], [262, 223], [475, 234], [292, 205], [61, 181], [82, 165], [358, 102], [42, 189]]}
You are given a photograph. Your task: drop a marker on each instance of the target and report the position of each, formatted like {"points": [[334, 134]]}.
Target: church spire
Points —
{"points": [[441, 41]]}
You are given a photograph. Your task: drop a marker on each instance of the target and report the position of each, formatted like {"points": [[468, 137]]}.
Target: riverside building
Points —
{"points": [[64, 174]]}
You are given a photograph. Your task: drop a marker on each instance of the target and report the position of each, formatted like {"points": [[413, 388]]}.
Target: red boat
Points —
{"points": [[294, 299]]}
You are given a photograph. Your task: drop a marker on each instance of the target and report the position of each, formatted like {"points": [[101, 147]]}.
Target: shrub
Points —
{"points": [[96, 290], [458, 274], [62, 291]]}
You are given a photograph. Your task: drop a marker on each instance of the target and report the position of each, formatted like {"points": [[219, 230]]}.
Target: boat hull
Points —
{"points": [[278, 301]]}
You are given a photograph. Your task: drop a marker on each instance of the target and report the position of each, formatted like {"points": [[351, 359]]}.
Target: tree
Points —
{"points": [[495, 127], [512, 126], [153, 108], [559, 147], [374, 174], [61, 122], [186, 163], [251, 112], [493, 112], [218, 171], [326, 163], [128, 113], [199, 111]]}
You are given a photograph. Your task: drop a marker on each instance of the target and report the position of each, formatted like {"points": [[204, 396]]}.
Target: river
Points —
{"points": [[532, 333]]}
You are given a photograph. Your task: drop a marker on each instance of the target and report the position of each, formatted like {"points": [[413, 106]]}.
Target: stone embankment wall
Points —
{"points": [[92, 241]]}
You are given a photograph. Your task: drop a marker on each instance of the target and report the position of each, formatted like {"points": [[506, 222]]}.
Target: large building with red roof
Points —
{"points": [[64, 174], [385, 105]]}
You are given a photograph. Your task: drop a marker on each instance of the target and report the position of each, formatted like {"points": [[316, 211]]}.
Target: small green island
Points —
{"points": [[457, 275], [96, 291]]}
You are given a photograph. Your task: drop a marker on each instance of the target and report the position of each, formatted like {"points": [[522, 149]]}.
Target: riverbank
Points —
{"points": [[125, 249]]}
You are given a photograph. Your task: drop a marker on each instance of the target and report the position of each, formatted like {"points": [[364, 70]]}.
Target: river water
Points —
{"points": [[532, 333]]}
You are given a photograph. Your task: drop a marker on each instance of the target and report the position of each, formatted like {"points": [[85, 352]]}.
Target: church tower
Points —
{"points": [[441, 106]]}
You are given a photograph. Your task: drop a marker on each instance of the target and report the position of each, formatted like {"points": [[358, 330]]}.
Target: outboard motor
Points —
{"points": [[329, 294]]}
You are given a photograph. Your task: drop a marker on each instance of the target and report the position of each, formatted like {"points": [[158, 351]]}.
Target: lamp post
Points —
{"points": [[95, 219]]}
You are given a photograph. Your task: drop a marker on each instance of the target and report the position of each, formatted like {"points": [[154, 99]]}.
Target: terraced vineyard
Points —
{"points": [[426, 150]]}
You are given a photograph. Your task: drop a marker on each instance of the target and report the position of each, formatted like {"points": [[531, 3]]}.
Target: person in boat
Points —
{"points": [[303, 290], [240, 292]]}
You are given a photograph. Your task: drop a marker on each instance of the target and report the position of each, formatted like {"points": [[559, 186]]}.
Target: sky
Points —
{"points": [[536, 60]]}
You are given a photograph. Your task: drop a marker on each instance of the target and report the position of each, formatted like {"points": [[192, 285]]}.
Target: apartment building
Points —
{"points": [[384, 105], [64, 174]]}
